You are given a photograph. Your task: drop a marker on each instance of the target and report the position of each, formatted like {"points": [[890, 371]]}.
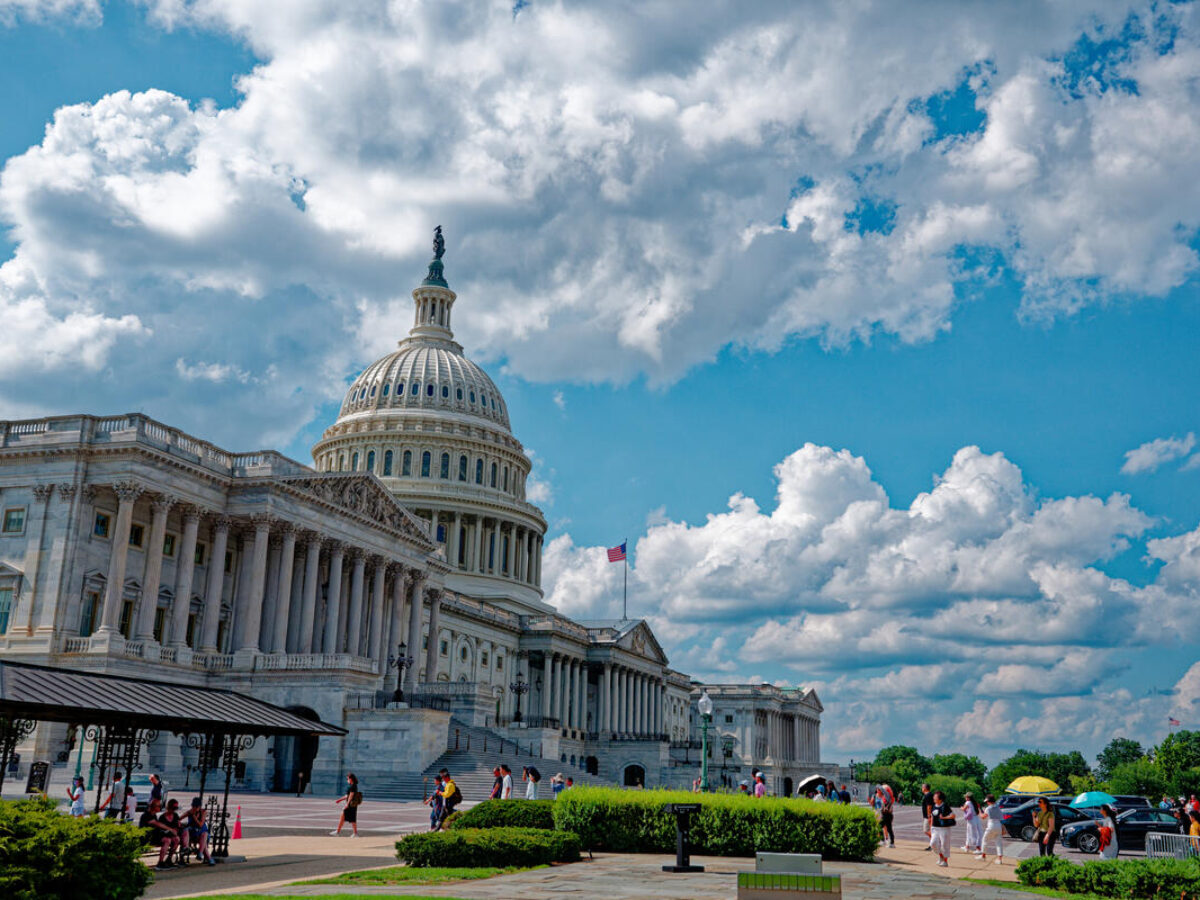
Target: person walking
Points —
{"points": [[505, 783], [114, 804], [760, 785], [497, 784], [1046, 823], [1109, 845], [436, 803], [353, 800], [451, 796], [941, 820], [557, 783], [974, 829], [994, 832], [926, 810], [531, 776], [886, 813], [75, 795]]}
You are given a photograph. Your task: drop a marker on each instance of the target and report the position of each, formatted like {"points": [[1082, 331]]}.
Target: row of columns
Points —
{"points": [[276, 600], [631, 702], [788, 737], [480, 543], [564, 691]]}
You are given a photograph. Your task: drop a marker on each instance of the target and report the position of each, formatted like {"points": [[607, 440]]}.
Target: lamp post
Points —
{"points": [[79, 754], [705, 705], [400, 661], [518, 687]]}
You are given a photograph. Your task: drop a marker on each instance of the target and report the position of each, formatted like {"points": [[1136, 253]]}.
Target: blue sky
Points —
{"points": [[702, 263]]}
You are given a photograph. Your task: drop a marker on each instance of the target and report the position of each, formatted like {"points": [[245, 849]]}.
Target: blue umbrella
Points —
{"points": [[1091, 799]]}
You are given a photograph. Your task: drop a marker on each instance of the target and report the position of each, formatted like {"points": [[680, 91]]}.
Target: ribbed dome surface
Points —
{"points": [[427, 373]]}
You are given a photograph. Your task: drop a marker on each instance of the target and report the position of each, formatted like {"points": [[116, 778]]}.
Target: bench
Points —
{"points": [[780, 885], [790, 863]]}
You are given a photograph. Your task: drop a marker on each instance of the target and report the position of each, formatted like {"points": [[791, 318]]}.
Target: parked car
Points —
{"points": [[1128, 801], [141, 789], [1018, 822], [1132, 827]]}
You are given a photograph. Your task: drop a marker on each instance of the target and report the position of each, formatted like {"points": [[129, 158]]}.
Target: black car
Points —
{"points": [[1018, 822], [1132, 827], [1128, 801]]}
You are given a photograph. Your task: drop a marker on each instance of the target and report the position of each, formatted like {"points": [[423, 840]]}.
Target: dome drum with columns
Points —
{"points": [[434, 428]]}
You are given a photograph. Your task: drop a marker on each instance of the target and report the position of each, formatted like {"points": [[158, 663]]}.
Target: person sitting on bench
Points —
{"points": [[159, 834], [196, 832]]}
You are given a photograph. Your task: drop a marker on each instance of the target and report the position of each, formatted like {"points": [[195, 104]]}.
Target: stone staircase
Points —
{"points": [[470, 758]]}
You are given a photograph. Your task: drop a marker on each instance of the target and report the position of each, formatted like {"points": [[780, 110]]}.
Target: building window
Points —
{"points": [[458, 393], [160, 621], [425, 460], [14, 521], [87, 613], [416, 388], [479, 471], [169, 545], [462, 468], [429, 390], [341, 462], [441, 534], [387, 463], [400, 389], [728, 720], [445, 392], [506, 478], [201, 550], [493, 474], [228, 561], [499, 663], [462, 653], [372, 390], [483, 658], [126, 625], [445, 470], [504, 552], [386, 388], [137, 535], [354, 462], [371, 461], [190, 639], [444, 648], [406, 463], [472, 396], [425, 642], [6, 595]]}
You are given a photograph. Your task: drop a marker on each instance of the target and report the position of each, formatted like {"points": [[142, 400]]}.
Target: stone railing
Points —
{"points": [[448, 688], [76, 644], [135, 649], [213, 662], [169, 654], [555, 623], [479, 610], [307, 662]]}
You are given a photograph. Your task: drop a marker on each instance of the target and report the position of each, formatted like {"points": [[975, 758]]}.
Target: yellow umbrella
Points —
{"points": [[1032, 784]]}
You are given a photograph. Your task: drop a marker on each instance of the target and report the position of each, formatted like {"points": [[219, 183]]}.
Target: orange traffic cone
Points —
{"points": [[237, 825]]}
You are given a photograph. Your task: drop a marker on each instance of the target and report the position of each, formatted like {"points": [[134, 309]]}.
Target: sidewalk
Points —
{"points": [[911, 856]]}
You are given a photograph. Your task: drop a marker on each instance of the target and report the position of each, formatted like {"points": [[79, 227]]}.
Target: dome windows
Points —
{"points": [[372, 390], [493, 474], [429, 390], [462, 468], [406, 464], [426, 458], [458, 392], [385, 389], [472, 396], [371, 461], [445, 470], [479, 471], [354, 463], [387, 457], [416, 388], [445, 391], [400, 389]]}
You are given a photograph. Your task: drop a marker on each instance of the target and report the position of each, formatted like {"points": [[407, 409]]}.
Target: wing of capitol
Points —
{"points": [[392, 587]]}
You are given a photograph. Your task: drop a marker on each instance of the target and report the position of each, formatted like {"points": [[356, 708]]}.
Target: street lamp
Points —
{"points": [[705, 705], [400, 661], [518, 687]]}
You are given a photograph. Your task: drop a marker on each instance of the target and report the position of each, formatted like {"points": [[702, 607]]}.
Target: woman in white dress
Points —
{"points": [[991, 816], [1110, 848], [974, 829]]}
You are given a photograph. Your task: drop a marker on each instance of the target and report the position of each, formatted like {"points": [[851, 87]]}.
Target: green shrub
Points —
{"points": [[727, 825], [1136, 878], [505, 814], [956, 788], [475, 847], [45, 855]]}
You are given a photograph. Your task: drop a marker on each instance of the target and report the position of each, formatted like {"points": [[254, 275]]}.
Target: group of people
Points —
{"points": [[1187, 812], [982, 824], [163, 824]]}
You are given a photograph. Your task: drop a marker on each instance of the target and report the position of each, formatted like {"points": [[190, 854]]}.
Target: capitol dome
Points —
{"points": [[433, 427]]}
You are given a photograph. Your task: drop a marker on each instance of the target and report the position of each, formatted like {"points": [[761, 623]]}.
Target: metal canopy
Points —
{"points": [[61, 695]]}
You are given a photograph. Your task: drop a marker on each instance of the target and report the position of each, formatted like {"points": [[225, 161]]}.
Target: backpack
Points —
{"points": [[455, 797]]}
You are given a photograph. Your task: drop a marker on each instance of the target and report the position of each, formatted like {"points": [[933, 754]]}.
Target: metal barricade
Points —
{"points": [[1171, 846]]}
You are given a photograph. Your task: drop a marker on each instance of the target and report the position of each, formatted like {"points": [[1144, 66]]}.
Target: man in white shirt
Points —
{"points": [[506, 783]]}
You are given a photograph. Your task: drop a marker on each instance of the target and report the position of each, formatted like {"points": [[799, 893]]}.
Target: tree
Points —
{"points": [[890, 756], [956, 788], [1058, 767], [1140, 777], [1119, 750], [1177, 752], [968, 767]]}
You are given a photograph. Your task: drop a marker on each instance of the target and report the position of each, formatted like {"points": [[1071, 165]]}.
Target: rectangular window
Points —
{"points": [[169, 545], [126, 625], [191, 630], [483, 658], [425, 642], [6, 596], [14, 520], [102, 525], [228, 561], [160, 621], [444, 648], [201, 549], [499, 663], [137, 535], [729, 720], [441, 534], [87, 613]]}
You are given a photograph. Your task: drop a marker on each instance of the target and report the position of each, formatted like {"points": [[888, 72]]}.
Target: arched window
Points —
{"points": [[406, 463], [445, 471], [416, 388], [387, 463], [445, 391], [479, 471], [458, 393], [371, 461], [472, 396], [400, 389], [425, 459], [462, 468], [372, 390], [493, 474], [386, 388], [506, 478], [429, 390], [341, 462], [354, 462]]}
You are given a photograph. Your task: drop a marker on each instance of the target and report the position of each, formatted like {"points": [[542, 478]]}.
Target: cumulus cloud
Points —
{"points": [[83, 12], [1152, 454]]}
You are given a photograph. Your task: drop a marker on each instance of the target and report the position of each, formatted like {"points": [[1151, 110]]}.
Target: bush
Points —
{"points": [[727, 825], [1137, 878], [475, 847], [45, 855], [506, 814], [956, 788]]}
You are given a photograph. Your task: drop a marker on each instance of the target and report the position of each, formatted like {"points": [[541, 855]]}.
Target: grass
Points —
{"points": [[410, 875], [1033, 889]]}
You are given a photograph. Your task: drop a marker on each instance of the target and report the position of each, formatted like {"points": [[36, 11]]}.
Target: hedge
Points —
{"points": [[727, 825], [1136, 878], [506, 814], [45, 855], [475, 847]]}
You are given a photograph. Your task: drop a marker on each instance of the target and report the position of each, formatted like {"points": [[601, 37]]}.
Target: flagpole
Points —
{"points": [[625, 587]]}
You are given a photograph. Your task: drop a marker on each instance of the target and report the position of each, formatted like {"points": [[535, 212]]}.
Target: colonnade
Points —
{"points": [[788, 737], [488, 545], [631, 701]]}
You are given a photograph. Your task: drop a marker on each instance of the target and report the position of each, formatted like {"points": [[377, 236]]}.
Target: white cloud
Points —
{"points": [[1152, 454], [81, 12]]}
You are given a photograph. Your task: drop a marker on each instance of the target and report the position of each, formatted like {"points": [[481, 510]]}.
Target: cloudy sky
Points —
{"points": [[872, 326]]}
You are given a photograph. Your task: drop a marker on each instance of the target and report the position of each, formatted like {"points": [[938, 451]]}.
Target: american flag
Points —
{"points": [[1171, 720], [616, 554]]}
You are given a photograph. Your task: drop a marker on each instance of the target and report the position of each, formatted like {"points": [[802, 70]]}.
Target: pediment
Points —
{"points": [[364, 496], [641, 641]]}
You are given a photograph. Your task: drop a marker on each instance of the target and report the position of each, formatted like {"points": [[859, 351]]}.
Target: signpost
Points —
{"points": [[39, 777], [683, 813]]}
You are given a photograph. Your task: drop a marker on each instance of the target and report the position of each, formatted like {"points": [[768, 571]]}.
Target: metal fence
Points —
{"points": [[1171, 846]]}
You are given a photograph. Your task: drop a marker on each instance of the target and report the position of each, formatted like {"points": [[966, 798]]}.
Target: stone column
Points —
{"points": [[481, 540], [537, 551], [573, 694], [258, 579], [295, 602], [416, 598], [375, 638], [432, 653], [453, 539], [622, 705], [185, 569], [22, 618], [333, 600], [216, 585], [152, 578], [552, 687], [581, 707], [605, 698], [355, 615], [396, 631], [271, 595], [114, 593], [306, 625], [283, 592], [510, 553]]}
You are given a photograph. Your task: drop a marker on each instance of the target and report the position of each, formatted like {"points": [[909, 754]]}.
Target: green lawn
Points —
{"points": [[410, 875], [1031, 889]]}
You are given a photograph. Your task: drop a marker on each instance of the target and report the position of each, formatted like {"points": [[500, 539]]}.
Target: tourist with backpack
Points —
{"points": [[451, 796], [436, 804], [353, 800]]}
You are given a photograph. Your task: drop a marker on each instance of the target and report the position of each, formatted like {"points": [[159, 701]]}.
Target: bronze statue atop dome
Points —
{"points": [[439, 243]]}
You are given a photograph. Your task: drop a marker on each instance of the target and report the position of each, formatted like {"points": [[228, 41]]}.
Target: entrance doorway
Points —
{"points": [[635, 776], [787, 787], [592, 765], [294, 756]]}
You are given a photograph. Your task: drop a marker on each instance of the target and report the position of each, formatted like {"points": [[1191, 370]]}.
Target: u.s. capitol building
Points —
{"points": [[406, 550]]}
